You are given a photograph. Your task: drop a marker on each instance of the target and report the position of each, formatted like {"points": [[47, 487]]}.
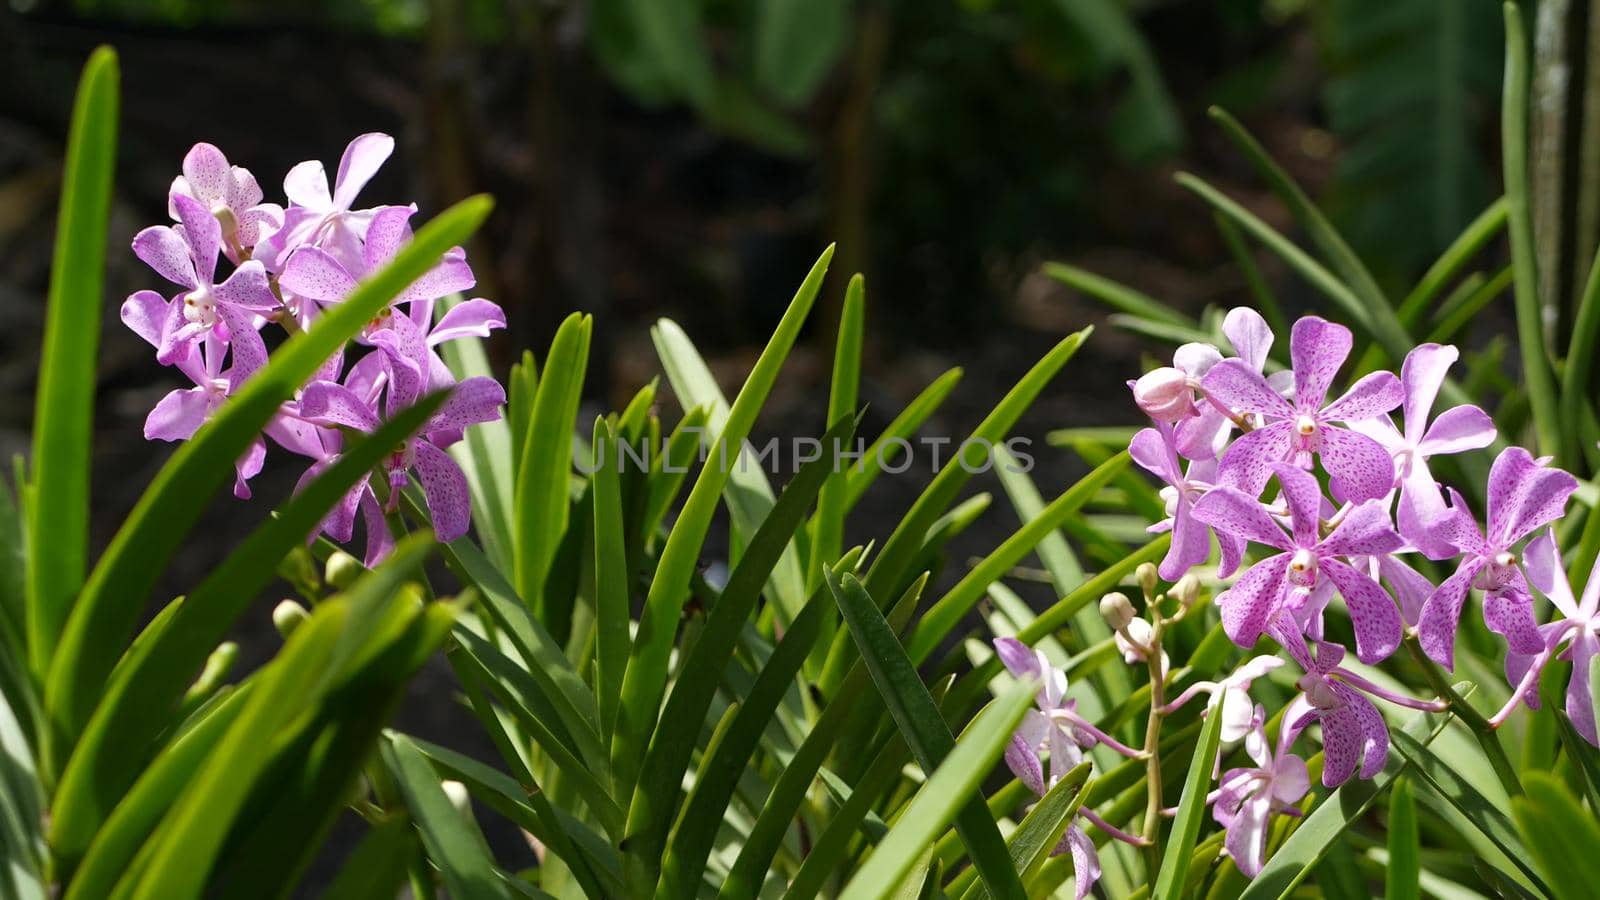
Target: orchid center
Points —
{"points": [[1319, 692], [1305, 425], [199, 308], [1303, 568], [1498, 573]]}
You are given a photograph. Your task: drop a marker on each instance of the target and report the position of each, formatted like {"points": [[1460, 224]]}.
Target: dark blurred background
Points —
{"points": [[690, 159]]}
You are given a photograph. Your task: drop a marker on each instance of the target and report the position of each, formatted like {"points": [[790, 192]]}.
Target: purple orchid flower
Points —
{"points": [[187, 256], [1361, 469], [1234, 701], [1577, 626], [1284, 583], [444, 486], [1353, 731], [1248, 798], [1524, 496], [230, 193], [1456, 430], [323, 217], [1155, 450], [317, 275], [1054, 727], [178, 415]]}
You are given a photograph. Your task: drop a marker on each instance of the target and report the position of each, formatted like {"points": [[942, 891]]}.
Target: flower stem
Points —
{"points": [[1481, 728], [1152, 746]]}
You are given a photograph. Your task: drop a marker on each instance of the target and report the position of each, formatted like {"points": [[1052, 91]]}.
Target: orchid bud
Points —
{"points": [[1164, 394], [287, 616], [342, 570], [1147, 579], [1187, 590], [1117, 610], [459, 796]]}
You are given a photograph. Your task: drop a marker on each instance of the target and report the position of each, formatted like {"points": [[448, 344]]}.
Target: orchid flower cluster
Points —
{"points": [[1354, 498], [287, 265]]}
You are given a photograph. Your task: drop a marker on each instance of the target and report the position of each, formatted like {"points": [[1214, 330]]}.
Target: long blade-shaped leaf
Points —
{"points": [[1403, 881], [1174, 872], [959, 600], [453, 841], [696, 828], [945, 793], [612, 607], [918, 717], [111, 603], [63, 430], [827, 527], [1041, 830], [885, 450], [748, 493], [668, 757], [137, 704], [546, 463], [892, 564], [1560, 834], [1536, 376], [645, 681]]}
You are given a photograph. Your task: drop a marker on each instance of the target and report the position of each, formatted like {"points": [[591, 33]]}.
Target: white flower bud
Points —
{"points": [[1148, 579], [1164, 394], [287, 616], [1187, 590], [342, 570], [1117, 610], [460, 798]]}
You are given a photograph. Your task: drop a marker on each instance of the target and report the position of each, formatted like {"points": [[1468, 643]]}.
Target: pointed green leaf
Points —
{"points": [[1561, 836], [1403, 878], [63, 430], [1173, 875], [918, 717], [452, 839]]}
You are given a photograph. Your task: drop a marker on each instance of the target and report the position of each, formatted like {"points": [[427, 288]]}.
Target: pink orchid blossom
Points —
{"points": [[231, 194], [1361, 469], [1248, 798], [1577, 626], [1524, 496], [1284, 583], [186, 255], [323, 217], [1155, 450], [1456, 430]]}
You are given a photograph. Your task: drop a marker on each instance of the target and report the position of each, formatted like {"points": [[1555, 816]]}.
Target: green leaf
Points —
{"points": [[1118, 296], [1452, 262], [853, 815], [141, 810], [1381, 317], [796, 44], [1456, 790], [888, 571], [1309, 843], [1173, 875], [546, 463], [23, 852], [885, 450], [1560, 834], [827, 526], [485, 453], [572, 840], [1403, 874], [183, 852], [112, 600], [950, 609], [377, 867], [669, 33], [453, 840], [139, 700], [1041, 830], [946, 792], [747, 492], [696, 828], [63, 429], [669, 753], [924, 729], [613, 613], [1536, 376], [645, 681]]}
